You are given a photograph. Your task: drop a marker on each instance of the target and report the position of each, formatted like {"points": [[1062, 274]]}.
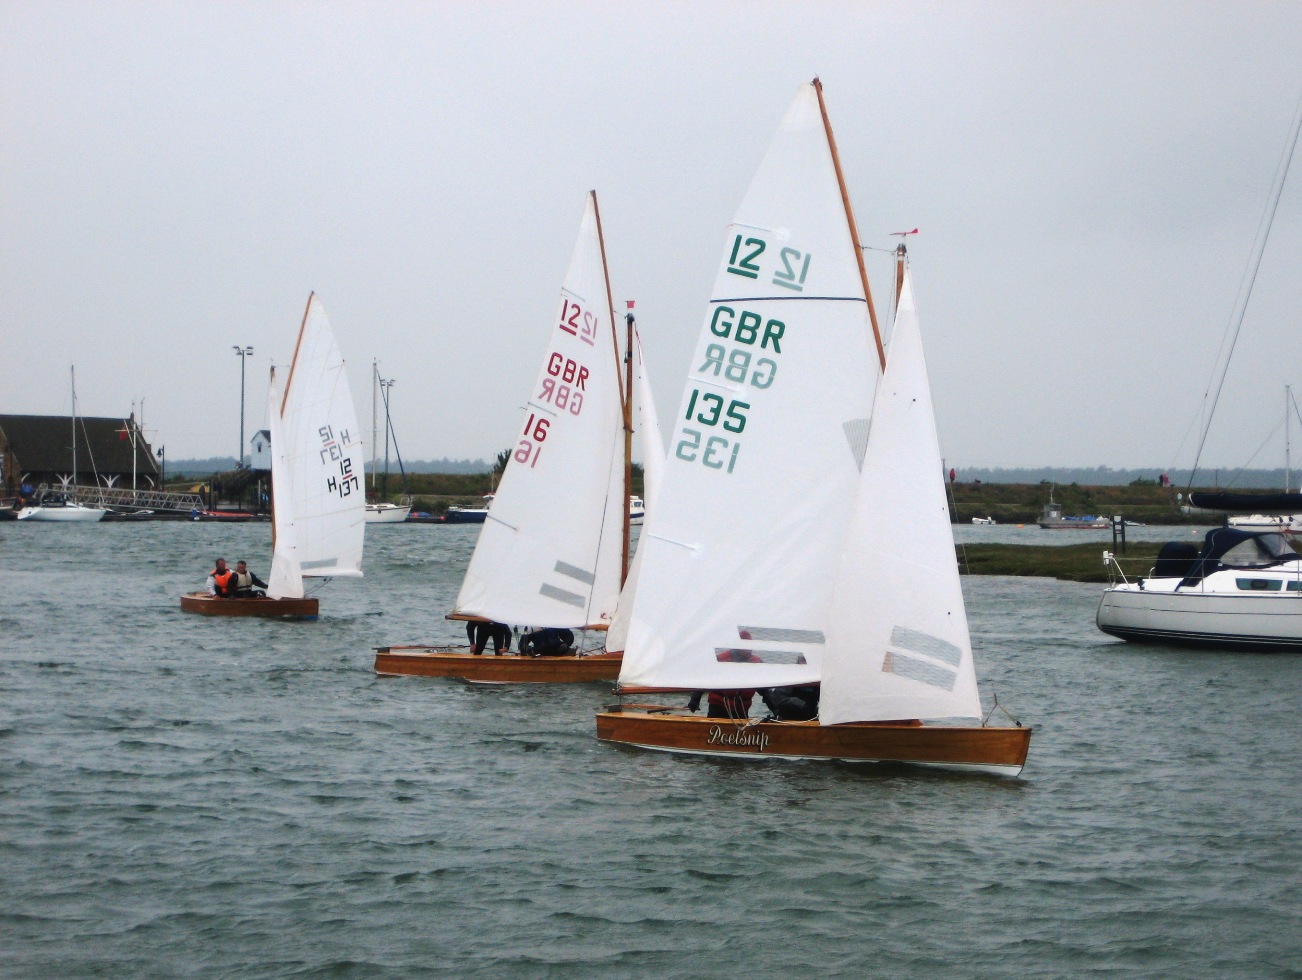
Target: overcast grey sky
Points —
{"points": [[1088, 179]]}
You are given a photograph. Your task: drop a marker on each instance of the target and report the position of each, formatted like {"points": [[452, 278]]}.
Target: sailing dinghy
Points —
{"points": [[554, 546], [801, 520], [318, 502]]}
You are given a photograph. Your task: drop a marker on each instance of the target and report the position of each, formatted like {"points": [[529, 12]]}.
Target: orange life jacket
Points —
{"points": [[223, 580]]}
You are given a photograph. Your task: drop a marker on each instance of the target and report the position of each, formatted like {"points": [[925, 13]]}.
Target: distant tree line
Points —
{"points": [[1105, 476]]}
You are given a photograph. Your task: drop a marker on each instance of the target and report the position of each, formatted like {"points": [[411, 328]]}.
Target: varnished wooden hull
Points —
{"points": [[996, 750], [421, 661], [207, 605]]}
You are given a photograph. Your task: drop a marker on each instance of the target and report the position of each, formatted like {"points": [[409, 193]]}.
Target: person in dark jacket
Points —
{"points": [[549, 642], [798, 703], [481, 632]]}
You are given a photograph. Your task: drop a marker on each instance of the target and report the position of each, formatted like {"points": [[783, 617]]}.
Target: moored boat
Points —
{"points": [[856, 591], [1241, 591]]}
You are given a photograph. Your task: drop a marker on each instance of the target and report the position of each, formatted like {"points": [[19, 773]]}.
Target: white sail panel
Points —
{"points": [[740, 548], [652, 443], [549, 553], [897, 644], [320, 507]]}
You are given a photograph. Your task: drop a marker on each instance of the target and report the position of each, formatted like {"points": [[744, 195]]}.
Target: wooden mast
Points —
{"points": [[625, 390], [284, 400], [854, 231]]}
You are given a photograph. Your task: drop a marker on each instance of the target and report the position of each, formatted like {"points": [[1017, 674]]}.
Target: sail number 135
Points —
{"points": [[718, 452]]}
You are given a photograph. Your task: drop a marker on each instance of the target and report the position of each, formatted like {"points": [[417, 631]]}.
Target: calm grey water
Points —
{"points": [[183, 796]]}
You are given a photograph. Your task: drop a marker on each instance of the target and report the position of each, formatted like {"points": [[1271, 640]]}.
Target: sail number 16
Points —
{"points": [[718, 452]]}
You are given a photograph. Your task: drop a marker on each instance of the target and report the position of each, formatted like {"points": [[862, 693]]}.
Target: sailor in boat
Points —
{"points": [[548, 642], [245, 582], [221, 580], [728, 704], [797, 703], [479, 633]]}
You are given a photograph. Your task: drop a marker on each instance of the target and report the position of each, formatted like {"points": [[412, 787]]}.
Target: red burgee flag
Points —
{"points": [[630, 303], [122, 434]]}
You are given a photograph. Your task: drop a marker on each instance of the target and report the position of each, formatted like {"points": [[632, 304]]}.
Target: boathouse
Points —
{"points": [[37, 449]]}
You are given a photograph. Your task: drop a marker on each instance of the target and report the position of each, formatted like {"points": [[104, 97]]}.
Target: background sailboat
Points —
{"points": [[796, 542], [383, 511], [316, 471], [66, 508], [551, 551]]}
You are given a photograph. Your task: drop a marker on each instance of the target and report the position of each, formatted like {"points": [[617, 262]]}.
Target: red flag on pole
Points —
{"points": [[630, 303]]}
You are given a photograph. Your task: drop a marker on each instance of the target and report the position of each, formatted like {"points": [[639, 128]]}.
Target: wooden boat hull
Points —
{"points": [[984, 749], [460, 663], [207, 605]]}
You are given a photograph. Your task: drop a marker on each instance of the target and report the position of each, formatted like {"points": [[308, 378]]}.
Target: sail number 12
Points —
{"points": [[718, 452]]}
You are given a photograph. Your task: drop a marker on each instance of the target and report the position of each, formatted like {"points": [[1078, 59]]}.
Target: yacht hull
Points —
{"points": [[386, 513], [486, 668], [1263, 622], [208, 605], [77, 513], [1001, 751]]}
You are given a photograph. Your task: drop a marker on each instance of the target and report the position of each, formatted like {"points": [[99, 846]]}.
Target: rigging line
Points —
{"points": [[390, 433], [1249, 280]]}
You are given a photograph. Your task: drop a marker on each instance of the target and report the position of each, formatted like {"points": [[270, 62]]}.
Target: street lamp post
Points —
{"points": [[243, 352]]}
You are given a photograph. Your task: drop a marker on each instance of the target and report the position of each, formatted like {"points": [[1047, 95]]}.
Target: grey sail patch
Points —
{"points": [[917, 669], [576, 573], [308, 566], [927, 645], [560, 595], [779, 635], [856, 434]]}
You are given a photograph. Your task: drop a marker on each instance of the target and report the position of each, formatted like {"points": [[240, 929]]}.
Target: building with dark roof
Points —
{"points": [[36, 449]]}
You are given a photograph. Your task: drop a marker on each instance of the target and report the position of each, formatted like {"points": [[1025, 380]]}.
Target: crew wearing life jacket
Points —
{"points": [[728, 704], [243, 581], [220, 579]]}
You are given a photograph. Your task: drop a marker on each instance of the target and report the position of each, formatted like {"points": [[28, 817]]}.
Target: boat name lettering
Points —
{"points": [[578, 322], [743, 260], [530, 445], [567, 369], [745, 329], [737, 367], [738, 737]]}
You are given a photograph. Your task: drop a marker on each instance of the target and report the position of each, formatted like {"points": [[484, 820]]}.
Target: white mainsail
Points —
{"points": [[319, 510], [647, 425], [742, 544], [897, 643], [549, 552]]}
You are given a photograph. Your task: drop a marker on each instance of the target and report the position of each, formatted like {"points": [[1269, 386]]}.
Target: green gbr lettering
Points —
{"points": [[736, 365], [745, 329]]}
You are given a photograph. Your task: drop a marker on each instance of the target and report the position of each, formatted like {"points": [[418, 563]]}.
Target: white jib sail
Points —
{"points": [[317, 464], [549, 552], [740, 548], [898, 644], [647, 426]]}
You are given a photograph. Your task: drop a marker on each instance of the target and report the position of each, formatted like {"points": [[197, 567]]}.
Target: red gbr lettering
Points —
{"points": [[567, 369]]}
